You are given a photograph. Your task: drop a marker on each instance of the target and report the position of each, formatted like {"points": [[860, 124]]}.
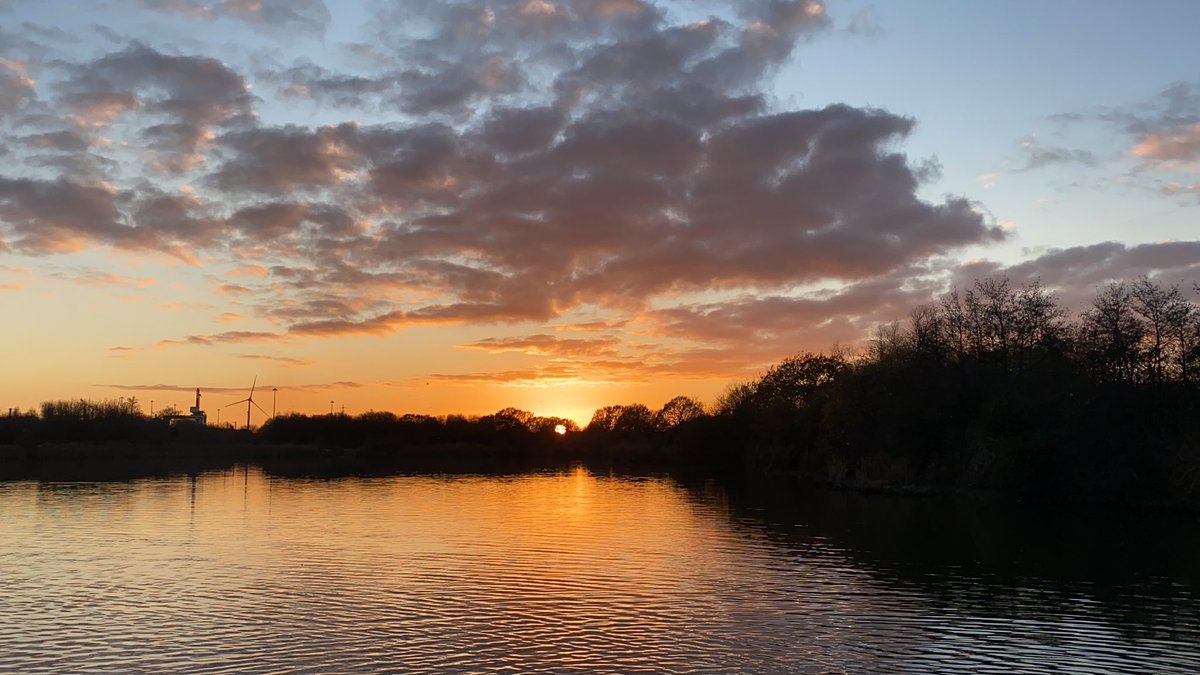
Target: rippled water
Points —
{"points": [[240, 572]]}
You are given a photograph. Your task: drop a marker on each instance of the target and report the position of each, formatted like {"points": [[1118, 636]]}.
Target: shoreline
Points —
{"points": [[116, 462]]}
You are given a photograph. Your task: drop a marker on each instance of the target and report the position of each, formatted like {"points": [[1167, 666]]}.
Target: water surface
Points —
{"points": [[239, 572]]}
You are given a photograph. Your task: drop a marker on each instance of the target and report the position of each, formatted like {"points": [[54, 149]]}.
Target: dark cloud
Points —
{"points": [[779, 325], [275, 220], [66, 140], [521, 130], [283, 159], [544, 161], [48, 216], [192, 94], [454, 87], [1083, 269], [168, 220], [641, 163], [68, 152], [774, 326], [310, 81]]}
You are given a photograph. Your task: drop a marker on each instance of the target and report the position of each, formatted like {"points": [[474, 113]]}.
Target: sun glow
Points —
{"points": [[561, 429]]}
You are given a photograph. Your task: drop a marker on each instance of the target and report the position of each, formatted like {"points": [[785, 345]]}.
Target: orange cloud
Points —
{"points": [[1173, 146], [228, 337], [249, 271], [546, 345]]}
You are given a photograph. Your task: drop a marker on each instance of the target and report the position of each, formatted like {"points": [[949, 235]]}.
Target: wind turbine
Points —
{"points": [[249, 401]]}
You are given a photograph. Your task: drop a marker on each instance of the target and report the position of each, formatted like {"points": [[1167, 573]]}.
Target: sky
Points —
{"points": [[458, 206]]}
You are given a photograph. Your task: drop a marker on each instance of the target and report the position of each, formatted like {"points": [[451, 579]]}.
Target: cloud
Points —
{"points": [[286, 361], [228, 337], [640, 163], [547, 345], [1178, 188], [45, 216], [190, 389], [558, 166], [16, 87], [248, 271], [67, 140], [185, 96], [1034, 155], [306, 80], [290, 15], [98, 278], [694, 364], [1165, 131], [767, 328], [1178, 145], [591, 326]]}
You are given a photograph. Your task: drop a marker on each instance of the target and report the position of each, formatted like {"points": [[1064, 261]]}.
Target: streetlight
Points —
{"points": [[331, 408], [274, 391]]}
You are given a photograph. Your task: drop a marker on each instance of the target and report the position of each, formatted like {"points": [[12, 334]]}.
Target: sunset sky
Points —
{"points": [[456, 206]]}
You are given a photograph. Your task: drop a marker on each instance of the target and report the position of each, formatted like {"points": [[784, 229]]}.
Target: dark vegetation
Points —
{"points": [[995, 389], [992, 389]]}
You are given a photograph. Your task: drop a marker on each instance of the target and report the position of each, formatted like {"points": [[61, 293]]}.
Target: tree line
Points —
{"points": [[994, 386]]}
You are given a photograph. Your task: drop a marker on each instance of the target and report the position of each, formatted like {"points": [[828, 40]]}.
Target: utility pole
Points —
{"points": [[152, 407], [274, 393], [331, 408]]}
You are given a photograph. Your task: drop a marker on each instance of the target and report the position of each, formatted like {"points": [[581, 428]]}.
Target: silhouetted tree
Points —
{"points": [[1151, 302], [1111, 334], [793, 382], [167, 413], [605, 418], [677, 411], [634, 419], [736, 398], [549, 425], [510, 419]]}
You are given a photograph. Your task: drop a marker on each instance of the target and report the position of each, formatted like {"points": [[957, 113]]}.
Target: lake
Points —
{"points": [[240, 571]]}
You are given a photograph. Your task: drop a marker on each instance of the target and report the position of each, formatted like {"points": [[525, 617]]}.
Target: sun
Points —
{"points": [[561, 429]]}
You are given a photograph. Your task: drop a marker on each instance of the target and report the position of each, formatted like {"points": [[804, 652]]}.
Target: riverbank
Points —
{"points": [[87, 462]]}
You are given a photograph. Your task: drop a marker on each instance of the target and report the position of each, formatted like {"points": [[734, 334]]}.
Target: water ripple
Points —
{"points": [[238, 572]]}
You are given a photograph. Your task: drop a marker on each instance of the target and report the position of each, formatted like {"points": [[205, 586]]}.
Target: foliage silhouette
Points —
{"points": [[992, 388]]}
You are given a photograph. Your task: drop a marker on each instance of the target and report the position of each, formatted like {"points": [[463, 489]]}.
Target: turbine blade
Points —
{"points": [[252, 387], [237, 402], [261, 408]]}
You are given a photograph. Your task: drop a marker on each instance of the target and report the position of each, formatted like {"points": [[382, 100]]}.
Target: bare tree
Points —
{"points": [[1111, 334]]}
